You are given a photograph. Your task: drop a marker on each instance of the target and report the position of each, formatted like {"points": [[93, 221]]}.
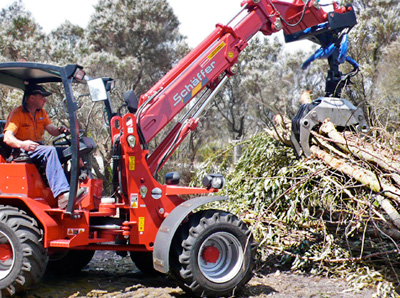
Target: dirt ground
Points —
{"points": [[109, 275]]}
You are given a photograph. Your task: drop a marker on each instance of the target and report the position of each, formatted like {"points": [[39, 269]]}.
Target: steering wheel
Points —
{"points": [[65, 139], [62, 140]]}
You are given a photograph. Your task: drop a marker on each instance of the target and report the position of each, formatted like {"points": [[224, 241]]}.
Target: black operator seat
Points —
{"points": [[9, 153], [5, 150], [86, 146], [2, 125]]}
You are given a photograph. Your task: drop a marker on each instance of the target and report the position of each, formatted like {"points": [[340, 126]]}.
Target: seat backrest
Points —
{"points": [[131, 101], [5, 150], [2, 125]]}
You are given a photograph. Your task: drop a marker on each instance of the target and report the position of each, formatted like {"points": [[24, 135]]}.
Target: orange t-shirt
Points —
{"points": [[25, 127]]}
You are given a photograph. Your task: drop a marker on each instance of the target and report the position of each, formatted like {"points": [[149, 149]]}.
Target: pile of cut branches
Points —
{"points": [[335, 213]]}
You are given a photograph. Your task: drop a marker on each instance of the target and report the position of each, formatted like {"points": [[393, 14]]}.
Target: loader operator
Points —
{"points": [[25, 129]]}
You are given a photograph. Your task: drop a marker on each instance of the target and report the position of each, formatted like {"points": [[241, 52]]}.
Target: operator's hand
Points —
{"points": [[64, 129], [29, 145]]}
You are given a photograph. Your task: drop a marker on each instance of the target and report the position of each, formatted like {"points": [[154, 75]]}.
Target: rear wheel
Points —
{"points": [[23, 258], [144, 262], [69, 261], [213, 254]]}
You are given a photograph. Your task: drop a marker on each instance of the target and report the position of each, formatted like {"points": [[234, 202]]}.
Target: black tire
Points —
{"points": [[212, 254], [144, 262], [23, 257], [69, 261]]}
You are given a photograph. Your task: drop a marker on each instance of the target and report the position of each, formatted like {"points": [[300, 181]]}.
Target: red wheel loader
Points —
{"points": [[209, 252]]}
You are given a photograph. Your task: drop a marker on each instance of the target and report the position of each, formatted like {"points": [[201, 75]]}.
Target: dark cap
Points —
{"points": [[36, 89]]}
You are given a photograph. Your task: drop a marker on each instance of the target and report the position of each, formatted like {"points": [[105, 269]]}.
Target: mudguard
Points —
{"points": [[169, 226]]}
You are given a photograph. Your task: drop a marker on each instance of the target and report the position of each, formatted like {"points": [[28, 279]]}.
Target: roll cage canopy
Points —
{"points": [[20, 74]]}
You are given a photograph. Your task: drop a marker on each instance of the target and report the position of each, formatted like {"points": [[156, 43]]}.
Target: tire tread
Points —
{"points": [[184, 241], [34, 255]]}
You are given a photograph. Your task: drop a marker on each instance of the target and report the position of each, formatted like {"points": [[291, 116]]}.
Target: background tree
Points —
{"points": [[378, 27], [274, 79], [145, 30], [135, 42], [68, 44], [20, 36], [269, 82]]}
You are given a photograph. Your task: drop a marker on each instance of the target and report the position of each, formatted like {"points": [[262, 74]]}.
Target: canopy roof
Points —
{"points": [[21, 74]]}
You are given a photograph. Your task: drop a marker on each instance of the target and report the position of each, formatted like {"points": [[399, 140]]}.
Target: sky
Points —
{"points": [[197, 17]]}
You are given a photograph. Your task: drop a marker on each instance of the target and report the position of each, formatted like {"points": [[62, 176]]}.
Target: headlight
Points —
{"points": [[79, 74], [110, 85], [216, 181]]}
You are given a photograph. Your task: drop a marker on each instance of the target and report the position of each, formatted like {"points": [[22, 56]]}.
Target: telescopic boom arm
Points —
{"points": [[209, 64]]}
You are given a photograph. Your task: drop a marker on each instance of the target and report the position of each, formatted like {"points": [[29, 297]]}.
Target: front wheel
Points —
{"points": [[213, 254], [23, 258]]}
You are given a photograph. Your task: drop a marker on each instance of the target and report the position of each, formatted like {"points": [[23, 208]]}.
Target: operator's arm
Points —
{"points": [[12, 141], [54, 130]]}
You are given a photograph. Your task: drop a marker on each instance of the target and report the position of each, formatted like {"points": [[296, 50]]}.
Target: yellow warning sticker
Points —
{"points": [[131, 163], [141, 224], [134, 200], [216, 51]]}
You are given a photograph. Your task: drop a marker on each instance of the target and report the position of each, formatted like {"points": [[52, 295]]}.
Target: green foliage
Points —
{"points": [[377, 31], [10, 98], [143, 30], [305, 215], [20, 35], [68, 44], [133, 42]]}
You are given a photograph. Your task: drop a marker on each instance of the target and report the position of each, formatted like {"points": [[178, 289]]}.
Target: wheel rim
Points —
{"points": [[6, 255], [221, 257]]}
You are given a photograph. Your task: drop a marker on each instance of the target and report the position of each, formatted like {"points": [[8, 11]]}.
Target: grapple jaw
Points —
{"points": [[341, 113]]}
